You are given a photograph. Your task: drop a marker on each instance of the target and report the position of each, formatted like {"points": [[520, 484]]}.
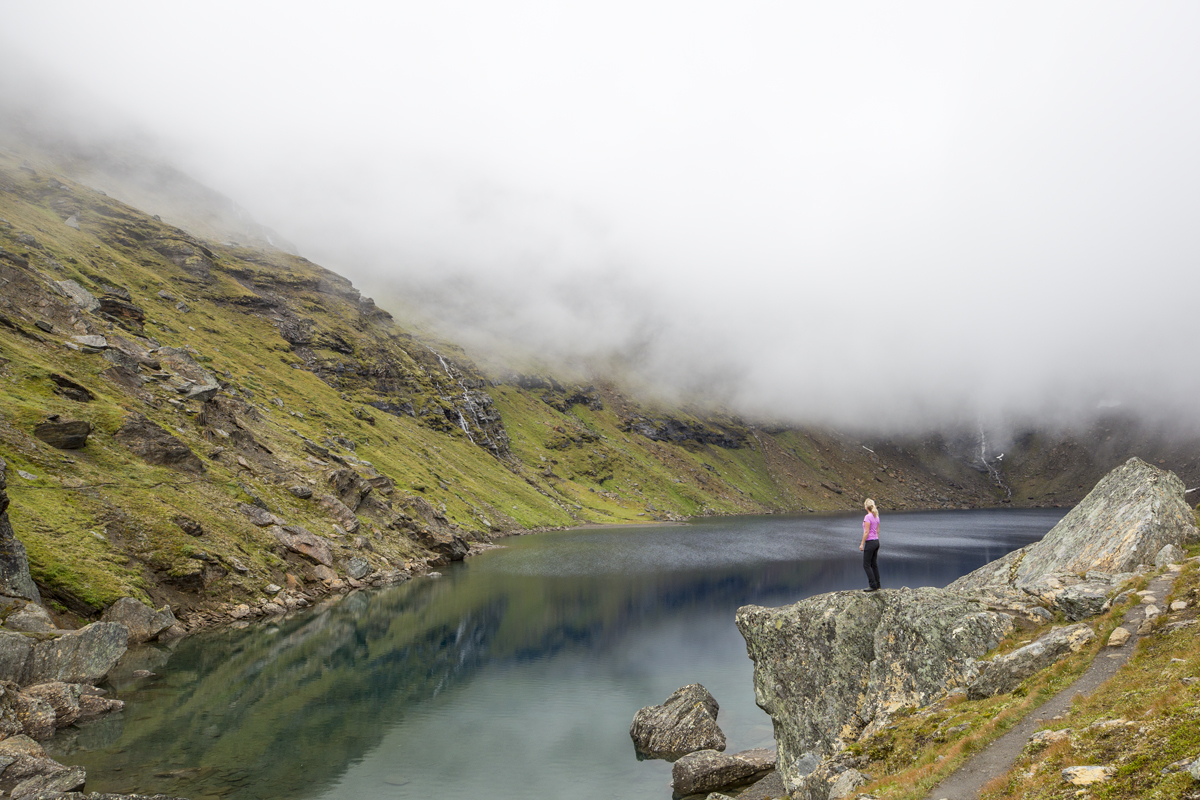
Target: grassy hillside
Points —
{"points": [[297, 396]]}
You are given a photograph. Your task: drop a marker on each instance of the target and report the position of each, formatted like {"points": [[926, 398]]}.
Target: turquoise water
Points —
{"points": [[515, 675]]}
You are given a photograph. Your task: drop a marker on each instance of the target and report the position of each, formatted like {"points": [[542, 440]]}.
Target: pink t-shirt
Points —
{"points": [[873, 521]]}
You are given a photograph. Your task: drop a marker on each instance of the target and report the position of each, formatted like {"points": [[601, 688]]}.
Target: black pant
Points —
{"points": [[871, 562]]}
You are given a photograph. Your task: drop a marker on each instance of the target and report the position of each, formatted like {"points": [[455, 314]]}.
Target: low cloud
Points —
{"points": [[865, 216]]}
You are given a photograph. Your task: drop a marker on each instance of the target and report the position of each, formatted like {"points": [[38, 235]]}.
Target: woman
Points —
{"points": [[870, 545]]}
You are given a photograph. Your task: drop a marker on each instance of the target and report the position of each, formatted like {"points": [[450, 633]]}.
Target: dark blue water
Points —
{"points": [[515, 675]]}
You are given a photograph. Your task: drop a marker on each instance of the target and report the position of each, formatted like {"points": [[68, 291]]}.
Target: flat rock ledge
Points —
{"points": [[684, 723]]}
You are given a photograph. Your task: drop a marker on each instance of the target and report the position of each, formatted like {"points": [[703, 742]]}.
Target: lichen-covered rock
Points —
{"points": [[1006, 672], [15, 580], [53, 784], [1169, 554], [684, 723], [1123, 523], [710, 771], [32, 618], [82, 656], [62, 697], [831, 665], [143, 622]]}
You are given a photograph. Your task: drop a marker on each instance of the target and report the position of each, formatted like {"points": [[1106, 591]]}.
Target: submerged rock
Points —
{"points": [[684, 723]]}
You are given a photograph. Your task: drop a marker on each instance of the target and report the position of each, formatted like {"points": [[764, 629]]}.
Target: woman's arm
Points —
{"points": [[866, 530]]}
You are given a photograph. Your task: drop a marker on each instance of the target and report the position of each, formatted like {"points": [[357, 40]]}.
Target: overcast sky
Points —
{"points": [[861, 213]]}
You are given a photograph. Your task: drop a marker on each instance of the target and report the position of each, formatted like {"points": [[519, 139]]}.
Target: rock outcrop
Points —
{"points": [[1124, 523], [63, 434], [684, 723], [829, 666], [15, 580], [833, 667], [82, 656], [155, 446]]}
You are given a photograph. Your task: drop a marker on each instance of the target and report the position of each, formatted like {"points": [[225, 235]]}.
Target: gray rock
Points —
{"points": [[63, 698], [72, 222], [1131, 514], [93, 341], [303, 492], [82, 656], [845, 784], [63, 434], [684, 723], [77, 295], [258, 516], [299, 540], [358, 568], [21, 745], [204, 392], [1006, 672], [710, 771], [831, 666], [15, 580], [1193, 769], [68, 780], [32, 619], [155, 446], [1169, 554], [340, 513], [22, 713], [143, 622], [15, 649]]}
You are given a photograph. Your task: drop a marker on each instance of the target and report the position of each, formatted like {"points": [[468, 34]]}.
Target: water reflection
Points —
{"points": [[515, 675]]}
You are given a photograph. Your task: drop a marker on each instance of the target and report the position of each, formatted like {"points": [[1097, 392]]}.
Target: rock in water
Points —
{"points": [[65, 434], [143, 622], [832, 665], [1007, 672], [15, 580], [710, 771], [685, 723], [82, 656]]}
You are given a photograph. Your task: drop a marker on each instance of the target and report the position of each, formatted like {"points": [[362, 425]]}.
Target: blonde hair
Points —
{"points": [[869, 505]]}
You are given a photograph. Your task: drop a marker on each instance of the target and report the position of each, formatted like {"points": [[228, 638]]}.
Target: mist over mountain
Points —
{"points": [[868, 217]]}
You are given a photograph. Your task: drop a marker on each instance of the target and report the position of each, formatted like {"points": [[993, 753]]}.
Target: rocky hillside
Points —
{"points": [[204, 424]]}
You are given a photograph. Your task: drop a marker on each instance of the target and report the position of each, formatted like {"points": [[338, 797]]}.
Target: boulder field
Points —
{"points": [[836, 666]]}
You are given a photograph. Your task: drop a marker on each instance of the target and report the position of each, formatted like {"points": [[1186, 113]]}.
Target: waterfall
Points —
{"points": [[466, 401], [991, 467]]}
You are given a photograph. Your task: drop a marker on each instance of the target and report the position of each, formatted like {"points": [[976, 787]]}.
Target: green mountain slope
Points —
{"points": [[242, 397]]}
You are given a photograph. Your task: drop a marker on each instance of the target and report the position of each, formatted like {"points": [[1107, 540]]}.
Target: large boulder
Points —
{"points": [[155, 446], [15, 580], [82, 656], [685, 723], [51, 785], [833, 665], [1123, 523], [1006, 672], [710, 770], [142, 621]]}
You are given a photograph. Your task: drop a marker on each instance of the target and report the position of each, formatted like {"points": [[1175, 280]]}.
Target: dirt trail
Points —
{"points": [[998, 757]]}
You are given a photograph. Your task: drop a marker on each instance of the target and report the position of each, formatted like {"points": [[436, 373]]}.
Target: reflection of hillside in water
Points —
{"points": [[280, 709]]}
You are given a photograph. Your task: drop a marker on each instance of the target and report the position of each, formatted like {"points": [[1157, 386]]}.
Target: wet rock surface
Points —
{"points": [[684, 723]]}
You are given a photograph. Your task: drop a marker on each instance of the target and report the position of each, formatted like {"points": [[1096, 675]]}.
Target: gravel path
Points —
{"points": [[998, 757]]}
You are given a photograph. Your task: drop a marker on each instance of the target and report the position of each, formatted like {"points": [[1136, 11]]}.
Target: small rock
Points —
{"points": [[54, 783], [846, 783], [303, 492], [272, 588], [1044, 738], [358, 568], [31, 619], [1118, 637], [1169, 554], [1179, 605], [1152, 611], [143, 622], [165, 295], [71, 222], [29, 476], [240, 611], [273, 609], [91, 340], [143, 673], [684, 723], [189, 526], [77, 295], [1193, 769], [323, 573], [1086, 776]]}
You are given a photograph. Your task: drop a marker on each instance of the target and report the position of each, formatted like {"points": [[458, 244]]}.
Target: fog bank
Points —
{"points": [[865, 215]]}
